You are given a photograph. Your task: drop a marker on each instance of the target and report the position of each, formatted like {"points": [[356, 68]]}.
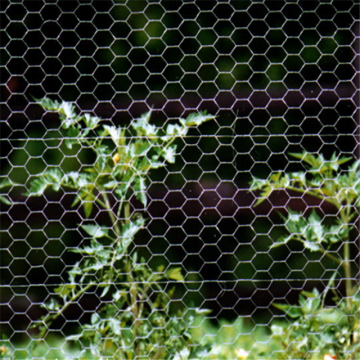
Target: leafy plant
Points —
{"points": [[135, 319], [318, 329]]}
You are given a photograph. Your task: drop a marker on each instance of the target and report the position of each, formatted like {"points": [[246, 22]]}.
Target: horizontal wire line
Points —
{"points": [[186, 137]]}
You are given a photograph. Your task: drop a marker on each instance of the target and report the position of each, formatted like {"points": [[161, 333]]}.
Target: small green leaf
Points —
{"points": [[5, 183], [196, 119], [132, 227], [115, 326], [65, 290], [88, 206], [95, 318], [169, 154], [143, 128], [68, 110], [199, 311], [140, 189], [312, 246], [174, 130], [37, 187], [48, 104], [91, 121], [175, 274], [114, 132], [311, 305], [140, 148], [292, 311], [5, 200], [105, 290], [95, 231]]}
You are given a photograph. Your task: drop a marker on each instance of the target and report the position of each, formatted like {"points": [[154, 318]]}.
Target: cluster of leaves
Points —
{"points": [[317, 329], [239, 339], [135, 318]]}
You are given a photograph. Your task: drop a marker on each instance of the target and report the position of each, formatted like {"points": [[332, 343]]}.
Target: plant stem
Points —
{"points": [[345, 215], [61, 311], [108, 208], [313, 194]]}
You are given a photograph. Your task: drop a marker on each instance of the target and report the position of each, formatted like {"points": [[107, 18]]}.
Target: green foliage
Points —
{"points": [[231, 340], [135, 319], [315, 329]]}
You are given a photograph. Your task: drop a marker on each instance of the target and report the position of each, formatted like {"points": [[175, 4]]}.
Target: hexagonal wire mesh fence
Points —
{"points": [[282, 79]]}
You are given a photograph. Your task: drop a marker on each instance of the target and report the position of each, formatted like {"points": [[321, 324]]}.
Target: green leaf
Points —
{"points": [[140, 189], [67, 109], [143, 128], [140, 148], [292, 311], [37, 187], [173, 130], [129, 230], [105, 290], [114, 132], [5, 200], [65, 290], [95, 231], [175, 274], [48, 104], [196, 119], [88, 206], [6, 183], [132, 227], [311, 305], [310, 245], [169, 154], [95, 318], [115, 326], [203, 312], [91, 121]]}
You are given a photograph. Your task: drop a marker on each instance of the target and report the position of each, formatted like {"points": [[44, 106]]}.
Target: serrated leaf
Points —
{"points": [[95, 231], [264, 195], [65, 290], [115, 326], [140, 148], [143, 128], [292, 311], [48, 104], [196, 119], [169, 154], [67, 110], [37, 187], [140, 190], [174, 130], [91, 121], [129, 230], [114, 132], [175, 274], [312, 246], [132, 227], [95, 318]]}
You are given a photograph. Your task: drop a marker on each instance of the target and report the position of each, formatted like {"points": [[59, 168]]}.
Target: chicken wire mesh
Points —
{"points": [[282, 78]]}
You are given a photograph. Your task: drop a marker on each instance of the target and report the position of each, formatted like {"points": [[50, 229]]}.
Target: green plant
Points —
{"points": [[135, 319], [319, 329]]}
